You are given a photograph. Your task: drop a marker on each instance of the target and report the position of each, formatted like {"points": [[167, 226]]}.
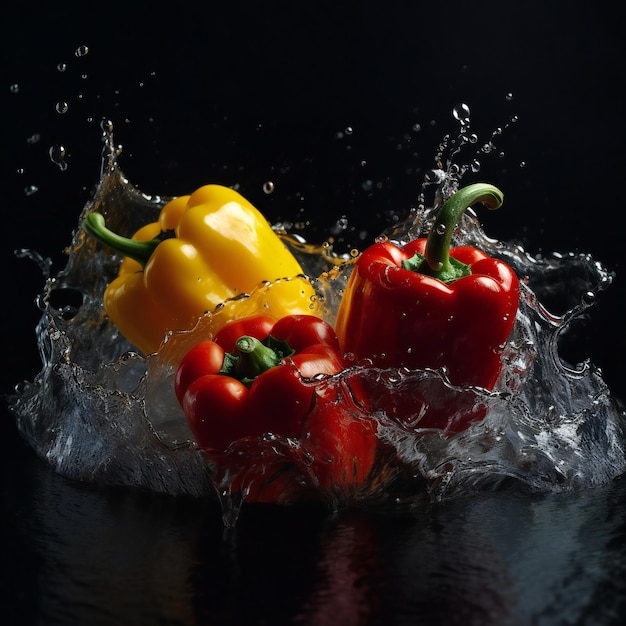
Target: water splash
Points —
{"points": [[99, 411]]}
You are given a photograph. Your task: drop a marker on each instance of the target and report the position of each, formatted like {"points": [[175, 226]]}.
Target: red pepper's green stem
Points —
{"points": [[437, 261], [254, 358], [140, 251]]}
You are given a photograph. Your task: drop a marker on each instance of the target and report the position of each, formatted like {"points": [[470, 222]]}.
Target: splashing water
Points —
{"points": [[99, 411]]}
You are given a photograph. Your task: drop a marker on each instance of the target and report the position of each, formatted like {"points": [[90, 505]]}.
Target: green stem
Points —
{"points": [[254, 357], [140, 251], [437, 261]]}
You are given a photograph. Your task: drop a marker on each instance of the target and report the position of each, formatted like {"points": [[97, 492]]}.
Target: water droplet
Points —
{"points": [[30, 190], [435, 176], [81, 51], [354, 253], [440, 229], [61, 67], [461, 113], [57, 156], [34, 138], [475, 166], [268, 187], [522, 164], [417, 128], [61, 107], [349, 130], [340, 225], [367, 185], [14, 88], [509, 96], [106, 126], [589, 298]]}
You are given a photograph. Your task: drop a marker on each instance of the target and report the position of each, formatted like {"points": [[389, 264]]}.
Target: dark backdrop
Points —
{"points": [[247, 92]]}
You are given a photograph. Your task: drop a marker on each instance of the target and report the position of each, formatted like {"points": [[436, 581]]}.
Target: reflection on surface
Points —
{"points": [[77, 553]]}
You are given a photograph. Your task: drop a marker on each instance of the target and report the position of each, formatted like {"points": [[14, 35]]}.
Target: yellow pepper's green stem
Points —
{"points": [[140, 251]]}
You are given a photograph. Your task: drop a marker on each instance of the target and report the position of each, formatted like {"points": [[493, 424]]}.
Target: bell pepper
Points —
{"points": [[204, 249], [425, 305], [268, 384]]}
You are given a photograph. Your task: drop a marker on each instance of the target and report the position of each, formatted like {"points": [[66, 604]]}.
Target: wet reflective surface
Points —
{"points": [[82, 554]]}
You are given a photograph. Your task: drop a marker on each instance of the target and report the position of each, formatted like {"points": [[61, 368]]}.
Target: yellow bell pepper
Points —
{"points": [[220, 247]]}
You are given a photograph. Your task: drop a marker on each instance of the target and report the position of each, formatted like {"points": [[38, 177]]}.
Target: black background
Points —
{"points": [[251, 92], [246, 93]]}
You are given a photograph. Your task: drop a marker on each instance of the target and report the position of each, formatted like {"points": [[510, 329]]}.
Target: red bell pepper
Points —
{"points": [[259, 377], [425, 305]]}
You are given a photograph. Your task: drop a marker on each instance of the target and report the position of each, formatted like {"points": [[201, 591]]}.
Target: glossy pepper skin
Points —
{"points": [[266, 386], [204, 249], [426, 306]]}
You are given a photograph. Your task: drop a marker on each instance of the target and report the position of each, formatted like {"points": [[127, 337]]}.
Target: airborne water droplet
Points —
{"points": [[268, 187], [57, 156], [81, 51], [461, 112], [61, 107]]}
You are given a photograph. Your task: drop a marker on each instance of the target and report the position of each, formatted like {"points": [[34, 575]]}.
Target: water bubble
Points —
{"points": [[61, 107], [57, 156], [340, 225], [349, 130], [435, 176], [367, 185], [475, 166], [106, 126], [268, 187], [509, 97], [417, 127], [461, 113], [14, 88], [81, 51], [589, 298], [522, 164], [441, 229], [61, 67]]}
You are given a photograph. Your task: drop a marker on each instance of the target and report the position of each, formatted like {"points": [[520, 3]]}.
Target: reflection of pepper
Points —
{"points": [[426, 306], [264, 386], [221, 247]]}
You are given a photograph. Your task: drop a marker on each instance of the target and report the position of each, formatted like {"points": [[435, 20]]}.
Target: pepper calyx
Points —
{"points": [[455, 268], [252, 357]]}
